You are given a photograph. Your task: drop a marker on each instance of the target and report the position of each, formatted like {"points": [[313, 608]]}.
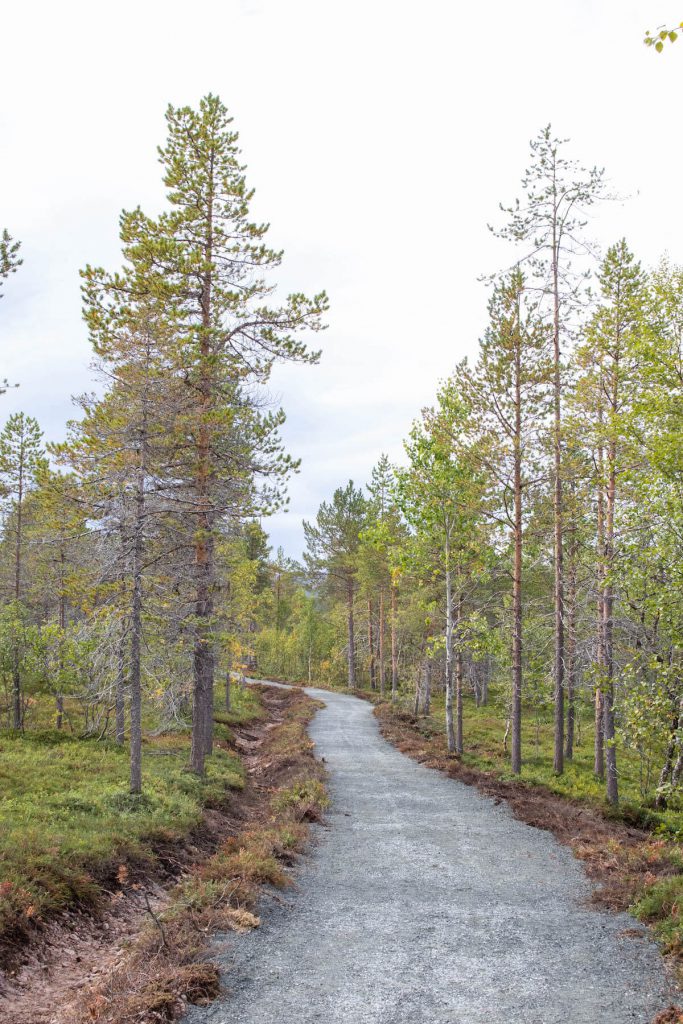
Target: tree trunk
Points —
{"points": [[450, 732], [666, 774], [203, 657], [516, 716], [17, 708], [371, 645], [394, 650], [599, 747], [571, 654], [136, 639], [608, 620], [427, 702], [458, 684], [352, 640], [382, 630], [119, 698], [558, 756], [458, 703]]}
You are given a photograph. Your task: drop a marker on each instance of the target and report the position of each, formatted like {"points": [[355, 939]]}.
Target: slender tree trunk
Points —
{"points": [[17, 709], [485, 683], [62, 625], [571, 653], [427, 703], [418, 690], [666, 774], [599, 749], [458, 683], [558, 756], [608, 619], [136, 632], [382, 633], [203, 657], [371, 645], [517, 639], [450, 731], [351, 638], [119, 698], [394, 646]]}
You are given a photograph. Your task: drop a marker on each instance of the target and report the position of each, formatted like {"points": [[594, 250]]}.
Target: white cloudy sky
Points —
{"points": [[380, 136]]}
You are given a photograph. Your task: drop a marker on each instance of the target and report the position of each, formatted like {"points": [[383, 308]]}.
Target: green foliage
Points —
{"points": [[661, 36], [9, 256]]}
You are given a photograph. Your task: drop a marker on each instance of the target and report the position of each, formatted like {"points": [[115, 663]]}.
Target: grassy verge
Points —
{"points": [[633, 854], [167, 966], [68, 826]]}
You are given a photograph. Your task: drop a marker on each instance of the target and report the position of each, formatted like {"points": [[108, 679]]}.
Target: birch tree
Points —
{"points": [[439, 495]]}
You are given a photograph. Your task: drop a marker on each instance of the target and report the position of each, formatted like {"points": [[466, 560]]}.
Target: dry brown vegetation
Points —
{"points": [[161, 961]]}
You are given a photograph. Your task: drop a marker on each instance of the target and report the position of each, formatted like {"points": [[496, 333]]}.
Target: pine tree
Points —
{"points": [[611, 342], [507, 392], [207, 265], [549, 223], [9, 256], [333, 542]]}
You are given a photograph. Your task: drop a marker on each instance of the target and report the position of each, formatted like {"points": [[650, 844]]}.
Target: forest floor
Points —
{"points": [[425, 901], [137, 953]]}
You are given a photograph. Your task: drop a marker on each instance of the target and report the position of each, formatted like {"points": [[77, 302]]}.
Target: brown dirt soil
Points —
{"points": [[143, 958], [672, 1015]]}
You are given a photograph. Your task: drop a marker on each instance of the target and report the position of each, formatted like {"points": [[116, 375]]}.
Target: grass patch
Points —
{"points": [[68, 822]]}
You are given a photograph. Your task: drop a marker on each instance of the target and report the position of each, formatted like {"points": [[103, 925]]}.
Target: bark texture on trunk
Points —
{"points": [[516, 715], [608, 631], [571, 653], [458, 683], [203, 654], [394, 645], [17, 703], [382, 634], [351, 646], [450, 730], [558, 668], [599, 743], [136, 637], [427, 703], [371, 646]]}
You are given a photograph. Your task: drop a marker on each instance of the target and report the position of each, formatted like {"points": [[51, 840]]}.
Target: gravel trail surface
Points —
{"points": [[423, 902]]}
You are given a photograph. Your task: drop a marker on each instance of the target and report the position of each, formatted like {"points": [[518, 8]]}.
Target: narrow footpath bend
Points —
{"points": [[425, 903]]}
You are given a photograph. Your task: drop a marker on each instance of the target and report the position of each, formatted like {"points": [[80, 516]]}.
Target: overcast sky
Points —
{"points": [[380, 136]]}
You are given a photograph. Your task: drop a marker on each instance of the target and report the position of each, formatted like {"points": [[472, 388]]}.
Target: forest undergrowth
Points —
{"points": [[186, 886]]}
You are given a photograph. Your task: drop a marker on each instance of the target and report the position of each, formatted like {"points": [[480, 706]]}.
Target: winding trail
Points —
{"points": [[423, 902]]}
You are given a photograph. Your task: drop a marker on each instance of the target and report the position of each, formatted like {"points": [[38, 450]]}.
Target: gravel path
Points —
{"points": [[425, 903]]}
